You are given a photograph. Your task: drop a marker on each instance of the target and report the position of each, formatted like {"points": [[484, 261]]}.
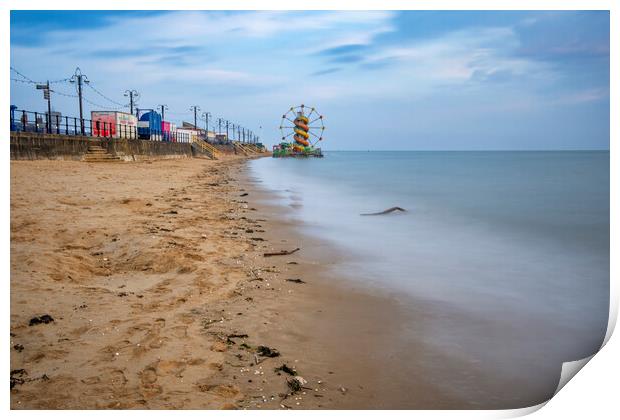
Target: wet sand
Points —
{"points": [[155, 277]]}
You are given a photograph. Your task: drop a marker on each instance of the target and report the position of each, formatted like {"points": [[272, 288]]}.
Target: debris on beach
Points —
{"points": [[286, 369], [244, 194], [299, 281], [20, 377], [296, 383], [231, 336], [386, 211], [283, 252], [265, 351], [18, 348], [43, 319]]}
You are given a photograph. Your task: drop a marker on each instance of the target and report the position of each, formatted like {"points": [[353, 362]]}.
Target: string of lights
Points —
{"points": [[67, 79], [179, 113], [103, 106], [23, 81], [25, 77], [69, 95], [105, 97]]}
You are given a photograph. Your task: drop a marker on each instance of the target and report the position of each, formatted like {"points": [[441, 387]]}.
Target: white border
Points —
{"points": [[592, 394]]}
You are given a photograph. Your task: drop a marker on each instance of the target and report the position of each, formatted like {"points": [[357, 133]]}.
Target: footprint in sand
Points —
{"points": [[180, 331], [170, 367], [220, 390], [51, 354], [148, 376], [110, 381], [148, 383], [111, 352]]}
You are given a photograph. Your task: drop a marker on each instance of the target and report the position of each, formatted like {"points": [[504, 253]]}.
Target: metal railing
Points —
{"points": [[41, 122], [165, 136]]}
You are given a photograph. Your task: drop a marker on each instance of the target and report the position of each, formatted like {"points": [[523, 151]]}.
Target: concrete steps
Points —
{"points": [[97, 153]]}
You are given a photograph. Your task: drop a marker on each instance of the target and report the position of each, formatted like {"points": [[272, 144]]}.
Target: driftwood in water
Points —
{"points": [[284, 252], [390, 210]]}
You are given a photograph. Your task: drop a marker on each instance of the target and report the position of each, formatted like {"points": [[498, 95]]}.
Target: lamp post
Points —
{"points": [[195, 108], [163, 108], [80, 78], [206, 116], [132, 94]]}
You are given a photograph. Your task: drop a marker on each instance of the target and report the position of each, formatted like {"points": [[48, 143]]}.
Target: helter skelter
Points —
{"points": [[306, 131]]}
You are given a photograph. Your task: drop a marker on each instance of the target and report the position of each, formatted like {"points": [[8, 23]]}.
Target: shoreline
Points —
{"points": [[356, 328], [150, 280]]}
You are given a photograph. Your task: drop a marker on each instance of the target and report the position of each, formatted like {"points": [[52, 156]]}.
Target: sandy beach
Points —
{"points": [[154, 276]]}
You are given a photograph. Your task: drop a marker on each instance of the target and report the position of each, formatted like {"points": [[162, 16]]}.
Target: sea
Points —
{"points": [[503, 254]]}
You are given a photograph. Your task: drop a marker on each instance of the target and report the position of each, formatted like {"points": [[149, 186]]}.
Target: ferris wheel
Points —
{"points": [[304, 124]]}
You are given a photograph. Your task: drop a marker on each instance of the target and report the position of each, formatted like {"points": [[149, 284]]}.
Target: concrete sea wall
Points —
{"points": [[33, 146]]}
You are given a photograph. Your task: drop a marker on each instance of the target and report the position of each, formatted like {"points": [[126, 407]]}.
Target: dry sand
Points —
{"points": [[155, 277]]}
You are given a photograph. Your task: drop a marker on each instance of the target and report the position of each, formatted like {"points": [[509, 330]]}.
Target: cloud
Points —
{"points": [[343, 50], [492, 75], [580, 97], [351, 58], [348, 53], [326, 71], [564, 36]]}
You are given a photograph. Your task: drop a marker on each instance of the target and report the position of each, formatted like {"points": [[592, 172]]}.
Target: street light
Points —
{"points": [[163, 108], [132, 94], [195, 108], [79, 78], [205, 116]]}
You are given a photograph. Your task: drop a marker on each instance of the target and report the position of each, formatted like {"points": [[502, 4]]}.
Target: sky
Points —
{"points": [[383, 80]]}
